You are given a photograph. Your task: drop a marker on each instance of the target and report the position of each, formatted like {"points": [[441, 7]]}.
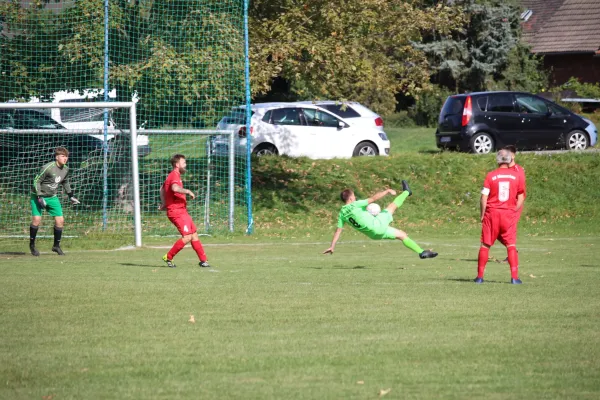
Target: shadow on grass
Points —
{"points": [[12, 253], [582, 265], [142, 265], [471, 281], [349, 267]]}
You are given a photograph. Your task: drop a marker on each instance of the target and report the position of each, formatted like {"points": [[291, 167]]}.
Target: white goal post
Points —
{"points": [[133, 132]]}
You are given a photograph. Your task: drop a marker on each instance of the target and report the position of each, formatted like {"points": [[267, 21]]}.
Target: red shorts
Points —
{"points": [[183, 222], [499, 225]]}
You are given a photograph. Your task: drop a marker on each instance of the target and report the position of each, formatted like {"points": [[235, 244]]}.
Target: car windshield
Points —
{"points": [[31, 119]]}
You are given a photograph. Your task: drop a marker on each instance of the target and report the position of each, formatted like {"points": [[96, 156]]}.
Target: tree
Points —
{"points": [[344, 49], [487, 53]]}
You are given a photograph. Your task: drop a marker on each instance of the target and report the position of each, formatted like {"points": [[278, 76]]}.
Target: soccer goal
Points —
{"points": [[116, 180]]}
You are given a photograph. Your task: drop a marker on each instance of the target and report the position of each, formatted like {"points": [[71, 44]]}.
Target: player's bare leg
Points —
{"points": [[513, 261], [398, 201], [197, 246], [482, 259], [412, 245], [59, 223], [33, 230], [177, 246]]}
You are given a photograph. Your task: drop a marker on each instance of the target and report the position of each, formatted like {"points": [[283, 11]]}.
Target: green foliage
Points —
{"points": [[487, 53], [400, 119], [427, 107], [358, 50], [582, 90], [172, 55], [523, 72]]}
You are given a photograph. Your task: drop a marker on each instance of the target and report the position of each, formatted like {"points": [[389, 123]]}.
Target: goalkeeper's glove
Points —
{"points": [[74, 200], [41, 202]]}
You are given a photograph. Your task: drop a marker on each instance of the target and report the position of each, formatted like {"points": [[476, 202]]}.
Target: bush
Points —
{"points": [[401, 119], [427, 107]]}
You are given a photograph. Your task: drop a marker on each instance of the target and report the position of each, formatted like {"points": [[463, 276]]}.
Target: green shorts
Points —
{"points": [[52, 206], [381, 229]]}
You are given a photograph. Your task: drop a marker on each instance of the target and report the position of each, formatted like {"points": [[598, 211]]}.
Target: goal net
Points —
{"points": [[181, 62], [116, 176]]}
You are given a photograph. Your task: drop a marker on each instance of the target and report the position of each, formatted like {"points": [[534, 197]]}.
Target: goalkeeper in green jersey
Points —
{"points": [[45, 187], [376, 227]]}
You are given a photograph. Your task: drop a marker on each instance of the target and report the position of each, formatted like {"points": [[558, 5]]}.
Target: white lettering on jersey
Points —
{"points": [[503, 191]]}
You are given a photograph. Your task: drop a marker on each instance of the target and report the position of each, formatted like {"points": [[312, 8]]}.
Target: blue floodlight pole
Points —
{"points": [[248, 123], [105, 143]]}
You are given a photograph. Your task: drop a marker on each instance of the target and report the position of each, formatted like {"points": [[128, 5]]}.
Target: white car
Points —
{"points": [[90, 118], [299, 130], [353, 112]]}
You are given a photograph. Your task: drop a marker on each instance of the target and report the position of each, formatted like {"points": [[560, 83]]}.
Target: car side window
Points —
{"points": [[285, 116], [320, 118], [531, 105], [556, 110], [482, 103], [501, 102], [343, 110], [267, 117]]}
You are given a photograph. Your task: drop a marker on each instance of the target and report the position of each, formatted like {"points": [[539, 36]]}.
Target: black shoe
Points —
{"points": [[478, 280], [428, 254], [170, 263], [34, 251], [405, 188], [204, 264], [58, 250]]}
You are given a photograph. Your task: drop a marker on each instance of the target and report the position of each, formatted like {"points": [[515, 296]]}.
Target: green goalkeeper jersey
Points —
{"points": [[46, 182]]}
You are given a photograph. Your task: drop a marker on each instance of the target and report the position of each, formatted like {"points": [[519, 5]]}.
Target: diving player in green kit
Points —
{"points": [[376, 227], [45, 187]]}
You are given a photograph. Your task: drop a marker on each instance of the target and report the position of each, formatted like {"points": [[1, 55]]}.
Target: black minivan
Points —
{"points": [[481, 122]]}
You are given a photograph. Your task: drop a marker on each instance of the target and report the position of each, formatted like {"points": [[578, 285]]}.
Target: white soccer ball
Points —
{"points": [[373, 209]]}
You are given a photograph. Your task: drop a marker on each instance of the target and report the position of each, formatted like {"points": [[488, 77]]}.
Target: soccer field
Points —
{"points": [[282, 321]]}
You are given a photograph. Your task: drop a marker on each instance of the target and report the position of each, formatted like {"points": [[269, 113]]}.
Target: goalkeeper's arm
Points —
{"points": [[66, 183]]}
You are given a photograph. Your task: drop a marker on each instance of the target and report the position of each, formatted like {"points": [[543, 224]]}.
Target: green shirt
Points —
{"points": [[46, 182], [356, 214]]}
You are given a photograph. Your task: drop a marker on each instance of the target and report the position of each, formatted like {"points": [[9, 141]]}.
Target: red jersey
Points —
{"points": [[502, 186], [517, 168], [174, 201]]}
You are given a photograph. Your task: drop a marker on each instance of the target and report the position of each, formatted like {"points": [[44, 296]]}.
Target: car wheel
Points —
{"points": [[577, 140], [365, 149], [265, 150], [482, 143]]}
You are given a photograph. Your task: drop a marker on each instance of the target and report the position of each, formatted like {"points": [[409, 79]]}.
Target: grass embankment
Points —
{"points": [[302, 196]]}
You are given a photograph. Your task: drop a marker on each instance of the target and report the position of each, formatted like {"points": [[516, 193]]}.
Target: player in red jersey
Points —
{"points": [[502, 196], [173, 199]]}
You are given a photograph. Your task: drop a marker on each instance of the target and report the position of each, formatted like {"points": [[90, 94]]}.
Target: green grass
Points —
{"points": [[281, 321]]}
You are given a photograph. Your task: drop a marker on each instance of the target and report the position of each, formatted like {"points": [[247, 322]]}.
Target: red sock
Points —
{"points": [[513, 261], [199, 250], [175, 249], [482, 260]]}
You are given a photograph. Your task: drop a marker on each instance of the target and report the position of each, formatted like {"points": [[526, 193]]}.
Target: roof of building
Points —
{"points": [[563, 26]]}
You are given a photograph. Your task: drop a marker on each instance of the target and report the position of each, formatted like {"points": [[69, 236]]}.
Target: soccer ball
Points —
{"points": [[373, 209]]}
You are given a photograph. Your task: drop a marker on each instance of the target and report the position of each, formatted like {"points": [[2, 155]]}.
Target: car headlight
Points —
{"points": [[383, 136]]}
